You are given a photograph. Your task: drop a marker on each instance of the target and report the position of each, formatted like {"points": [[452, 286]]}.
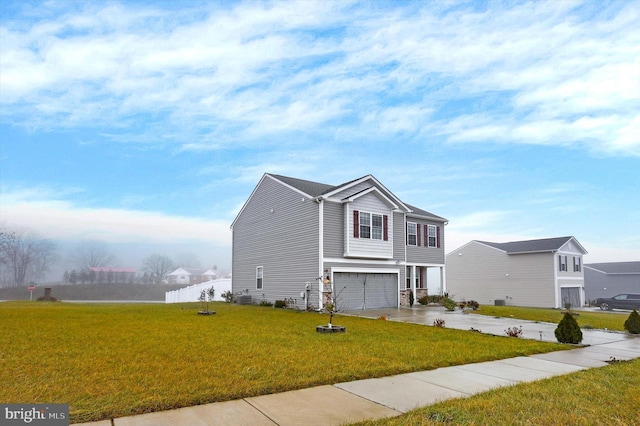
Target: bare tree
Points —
{"points": [[158, 266], [91, 254], [188, 260], [25, 255]]}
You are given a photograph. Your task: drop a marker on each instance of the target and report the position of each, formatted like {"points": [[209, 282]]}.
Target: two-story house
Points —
{"points": [[538, 273], [355, 245]]}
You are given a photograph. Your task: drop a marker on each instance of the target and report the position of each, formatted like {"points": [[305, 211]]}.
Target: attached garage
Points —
{"points": [[356, 290]]}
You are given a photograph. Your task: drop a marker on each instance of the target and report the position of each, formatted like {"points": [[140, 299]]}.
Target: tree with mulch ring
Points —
{"points": [[568, 330], [632, 324]]}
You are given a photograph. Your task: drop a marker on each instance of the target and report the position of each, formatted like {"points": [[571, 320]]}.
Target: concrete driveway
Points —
{"points": [[486, 324]]}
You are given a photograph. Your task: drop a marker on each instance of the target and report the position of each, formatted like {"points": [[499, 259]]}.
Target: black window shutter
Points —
{"points": [[418, 233], [438, 236], [385, 227]]}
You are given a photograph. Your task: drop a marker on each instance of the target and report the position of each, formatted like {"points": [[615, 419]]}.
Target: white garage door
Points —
{"points": [[365, 290], [570, 295]]}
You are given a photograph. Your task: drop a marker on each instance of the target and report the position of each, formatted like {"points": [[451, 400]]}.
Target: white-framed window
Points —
{"points": [[259, 273], [432, 236], [562, 263], [577, 267], [376, 226], [412, 234], [365, 225], [371, 226]]}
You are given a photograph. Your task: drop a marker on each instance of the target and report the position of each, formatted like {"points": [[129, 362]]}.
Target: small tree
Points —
{"points": [[568, 330], [411, 299], [206, 296], [632, 324]]}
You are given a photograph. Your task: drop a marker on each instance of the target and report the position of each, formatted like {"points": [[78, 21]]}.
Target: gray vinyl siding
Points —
{"points": [[598, 284], [278, 231], [398, 236], [423, 253], [364, 247], [333, 229], [477, 272]]}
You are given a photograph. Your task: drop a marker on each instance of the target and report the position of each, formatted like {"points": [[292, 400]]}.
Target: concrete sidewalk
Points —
{"points": [[370, 399]]}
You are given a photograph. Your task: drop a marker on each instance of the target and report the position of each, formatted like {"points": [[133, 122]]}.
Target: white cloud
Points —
{"points": [[63, 220], [557, 73]]}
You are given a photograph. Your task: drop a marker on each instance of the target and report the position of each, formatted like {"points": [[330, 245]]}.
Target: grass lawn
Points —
{"points": [[113, 360], [601, 320], [600, 396]]}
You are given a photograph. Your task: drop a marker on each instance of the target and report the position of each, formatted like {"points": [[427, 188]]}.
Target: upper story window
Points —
{"points": [[562, 263], [432, 236], [412, 234], [370, 225], [259, 272], [577, 267]]}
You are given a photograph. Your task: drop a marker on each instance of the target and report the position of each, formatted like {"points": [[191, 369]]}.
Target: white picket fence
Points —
{"points": [[191, 293]]}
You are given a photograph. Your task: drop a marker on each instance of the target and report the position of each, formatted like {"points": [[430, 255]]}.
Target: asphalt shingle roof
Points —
{"points": [[616, 267], [530, 246], [315, 189]]}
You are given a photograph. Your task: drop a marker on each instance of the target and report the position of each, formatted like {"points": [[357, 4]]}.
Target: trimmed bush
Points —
{"points": [[449, 304], [424, 300], [411, 299], [473, 304], [632, 324], [280, 304], [568, 330]]}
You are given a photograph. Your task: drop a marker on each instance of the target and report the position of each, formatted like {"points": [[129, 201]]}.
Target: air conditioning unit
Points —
{"points": [[499, 302]]}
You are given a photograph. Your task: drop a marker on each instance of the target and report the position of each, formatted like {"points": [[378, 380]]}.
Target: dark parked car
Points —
{"points": [[621, 301]]}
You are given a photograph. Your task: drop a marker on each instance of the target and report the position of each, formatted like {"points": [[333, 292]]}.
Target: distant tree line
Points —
{"points": [[26, 257]]}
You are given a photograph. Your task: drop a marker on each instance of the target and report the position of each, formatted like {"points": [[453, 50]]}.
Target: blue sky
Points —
{"points": [[147, 124]]}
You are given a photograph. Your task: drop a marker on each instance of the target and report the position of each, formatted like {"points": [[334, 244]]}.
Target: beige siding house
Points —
{"points": [[538, 273]]}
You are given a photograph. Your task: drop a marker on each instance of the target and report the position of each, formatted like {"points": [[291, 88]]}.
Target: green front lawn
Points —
{"points": [[115, 360], [600, 396], [600, 320]]}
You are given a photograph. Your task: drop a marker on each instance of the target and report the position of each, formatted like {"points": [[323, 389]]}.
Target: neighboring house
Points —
{"points": [[356, 245], [190, 276], [112, 275], [610, 279], [538, 273]]}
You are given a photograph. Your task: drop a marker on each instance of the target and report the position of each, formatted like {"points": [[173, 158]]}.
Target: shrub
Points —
{"points": [[514, 331], [449, 304], [438, 323], [228, 296], [473, 304], [265, 303], [424, 300], [280, 304], [568, 330], [382, 317], [632, 324], [411, 299]]}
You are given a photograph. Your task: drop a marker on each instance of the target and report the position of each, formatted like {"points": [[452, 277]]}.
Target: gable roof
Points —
{"points": [[533, 246], [316, 190], [616, 268], [415, 211], [312, 189], [192, 271]]}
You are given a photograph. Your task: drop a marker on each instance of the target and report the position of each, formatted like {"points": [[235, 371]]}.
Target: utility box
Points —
{"points": [[499, 302], [243, 300]]}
